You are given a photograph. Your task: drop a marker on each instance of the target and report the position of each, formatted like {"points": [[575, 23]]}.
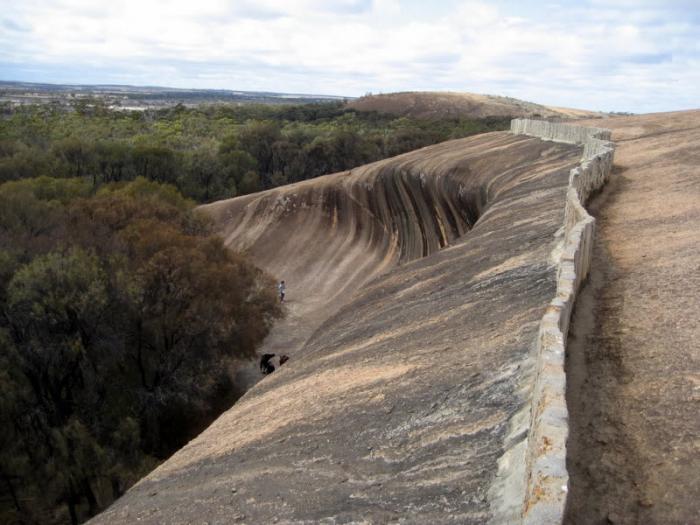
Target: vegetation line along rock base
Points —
{"points": [[121, 319]]}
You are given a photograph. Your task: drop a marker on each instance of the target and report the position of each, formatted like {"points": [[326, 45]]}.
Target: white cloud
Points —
{"points": [[612, 54]]}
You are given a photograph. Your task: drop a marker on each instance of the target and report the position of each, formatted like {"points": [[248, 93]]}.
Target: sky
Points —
{"points": [[610, 55]]}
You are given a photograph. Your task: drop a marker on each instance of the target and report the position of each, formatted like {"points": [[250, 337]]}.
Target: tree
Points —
{"points": [[121, 325], [349, 149], [234, 165], [156, 163], [28, 225], [205, 179], [55, 305], [75, 157], [257, 138], [22, 162], [407, 138], [319, 157], [250, 183], [114, 160]]}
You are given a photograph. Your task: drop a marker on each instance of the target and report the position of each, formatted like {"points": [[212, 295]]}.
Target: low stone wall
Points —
{"points": [[557, 132], [546, 478]]}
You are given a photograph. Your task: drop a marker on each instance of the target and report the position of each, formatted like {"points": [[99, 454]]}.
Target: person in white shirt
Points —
{"points": [[282, 288]]}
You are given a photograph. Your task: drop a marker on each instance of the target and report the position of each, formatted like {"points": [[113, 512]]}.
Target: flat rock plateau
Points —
{"points": [[634, 349], [415, 290]]}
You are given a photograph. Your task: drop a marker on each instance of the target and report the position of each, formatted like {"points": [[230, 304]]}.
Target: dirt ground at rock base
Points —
{"points": [[633, 363]]}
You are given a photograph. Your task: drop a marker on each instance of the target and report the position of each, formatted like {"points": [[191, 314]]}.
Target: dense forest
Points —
{"points": [[121, 314], [210, 152]]}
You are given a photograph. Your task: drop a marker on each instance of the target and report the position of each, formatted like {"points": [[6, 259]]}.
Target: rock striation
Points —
{"points": [[428, 298]]}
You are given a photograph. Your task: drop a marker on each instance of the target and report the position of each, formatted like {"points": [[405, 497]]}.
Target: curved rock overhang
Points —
{"points": [[425, 278]]}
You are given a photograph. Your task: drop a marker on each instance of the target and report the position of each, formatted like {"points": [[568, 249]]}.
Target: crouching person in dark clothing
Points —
{"points": [[266, 367]]}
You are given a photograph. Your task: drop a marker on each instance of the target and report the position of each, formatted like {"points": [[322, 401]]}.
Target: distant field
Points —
{"points": [[144, 97]]}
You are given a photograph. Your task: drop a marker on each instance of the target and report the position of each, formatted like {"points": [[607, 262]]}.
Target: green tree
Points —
{"points": [[23, 162], [234, 165], [55, 304], [156, 163], [75, 156], [205, 178], [114, 160], [120, 324], [257, 139], [250, 183]]}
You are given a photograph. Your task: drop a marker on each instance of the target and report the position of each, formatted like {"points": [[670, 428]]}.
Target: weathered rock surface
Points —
{"points": [[417, 287], [634, 353], [544, 456]]}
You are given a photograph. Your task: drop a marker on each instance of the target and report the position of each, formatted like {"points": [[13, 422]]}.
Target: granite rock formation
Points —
{"points": [[417, 286], [633, 367]]}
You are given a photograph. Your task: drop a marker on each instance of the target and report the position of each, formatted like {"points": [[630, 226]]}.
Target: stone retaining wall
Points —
{"points": [[545, 475]]}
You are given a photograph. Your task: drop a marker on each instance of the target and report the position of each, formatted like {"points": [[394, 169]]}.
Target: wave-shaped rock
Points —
{"points": [[416, 287]]}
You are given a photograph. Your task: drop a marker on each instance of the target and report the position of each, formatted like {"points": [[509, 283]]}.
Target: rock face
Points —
{"points": [[417, 286], [329, 236]]}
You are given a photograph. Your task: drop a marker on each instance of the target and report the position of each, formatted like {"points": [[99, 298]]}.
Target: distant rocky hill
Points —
{"points": [[427, 104]]}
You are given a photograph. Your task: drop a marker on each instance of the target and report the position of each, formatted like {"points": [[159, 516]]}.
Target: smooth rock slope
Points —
{"points": [[417, 289]]}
